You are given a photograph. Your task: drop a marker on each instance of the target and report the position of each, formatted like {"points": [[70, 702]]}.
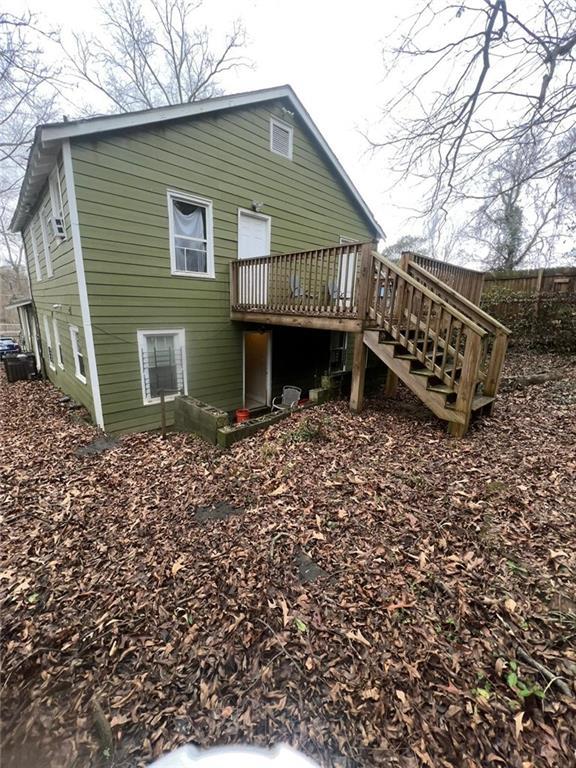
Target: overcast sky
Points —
{"points": [[329, 52]]}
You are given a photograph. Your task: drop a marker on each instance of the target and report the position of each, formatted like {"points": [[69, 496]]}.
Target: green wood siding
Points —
{"points": [[60, 289], [121, 183]]}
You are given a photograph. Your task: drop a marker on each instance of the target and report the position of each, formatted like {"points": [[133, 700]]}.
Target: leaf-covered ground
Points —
{"points": [[364, 588]]}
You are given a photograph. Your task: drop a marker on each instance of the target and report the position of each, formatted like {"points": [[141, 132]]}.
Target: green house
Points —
{"points": [[131, 223]]}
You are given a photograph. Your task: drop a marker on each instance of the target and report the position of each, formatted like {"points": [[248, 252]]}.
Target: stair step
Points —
{"points": [[405, 356], [444, 389], [479, 402], [422, 372]]}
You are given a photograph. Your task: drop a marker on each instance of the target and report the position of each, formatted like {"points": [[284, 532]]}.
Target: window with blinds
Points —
{"points": [[281, 136]]}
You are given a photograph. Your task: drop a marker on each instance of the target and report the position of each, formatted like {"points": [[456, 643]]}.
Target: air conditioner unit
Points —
{"points": [[58, 226]]}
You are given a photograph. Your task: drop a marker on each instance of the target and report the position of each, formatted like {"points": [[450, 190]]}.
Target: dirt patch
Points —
{"points": [[219, 511], [308, 570], [100, 445]]}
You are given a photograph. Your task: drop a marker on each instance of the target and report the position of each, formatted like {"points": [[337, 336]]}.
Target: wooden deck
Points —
{"points": [[427, 332]]}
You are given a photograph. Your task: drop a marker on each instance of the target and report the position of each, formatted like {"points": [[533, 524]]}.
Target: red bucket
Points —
{"points": [[242, 414]]}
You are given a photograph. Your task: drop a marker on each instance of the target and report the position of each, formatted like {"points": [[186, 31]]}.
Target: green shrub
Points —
{"points": [[308, 430]]}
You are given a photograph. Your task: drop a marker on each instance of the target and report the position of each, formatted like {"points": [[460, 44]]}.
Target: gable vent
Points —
{"points": [[281, 138]]}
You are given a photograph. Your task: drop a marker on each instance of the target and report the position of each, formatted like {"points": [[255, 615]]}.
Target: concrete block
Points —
{"points": [[320, 395], [191, 415], [229, 435]]}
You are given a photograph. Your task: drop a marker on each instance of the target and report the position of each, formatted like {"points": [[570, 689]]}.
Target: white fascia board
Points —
{"points": [[82, 288], [160, 115]]}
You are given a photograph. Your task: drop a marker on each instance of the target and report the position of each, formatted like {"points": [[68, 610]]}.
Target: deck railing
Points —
{"points": [[467, 282], [497, 334], [323, 281], [449, 344]]}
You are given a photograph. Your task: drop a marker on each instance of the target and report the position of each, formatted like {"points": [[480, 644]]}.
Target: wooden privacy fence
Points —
{"points": [[538, 305], [467, 282], [555, 280]]}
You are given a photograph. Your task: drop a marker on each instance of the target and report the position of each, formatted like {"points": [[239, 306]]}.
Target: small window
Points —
{"points": [[49, 347], [57, 344], [44, 218], [78, 354], [191, 247], [162, 364], [57, 218], [281, 136], [338, 347], [37, 267]]}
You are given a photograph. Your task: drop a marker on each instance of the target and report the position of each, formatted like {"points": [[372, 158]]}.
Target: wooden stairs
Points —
{"points": [[446, 350], [438, 396]]}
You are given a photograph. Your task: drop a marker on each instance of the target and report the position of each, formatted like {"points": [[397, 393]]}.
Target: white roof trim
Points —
{"points": [[19, 303], [48, 138]]}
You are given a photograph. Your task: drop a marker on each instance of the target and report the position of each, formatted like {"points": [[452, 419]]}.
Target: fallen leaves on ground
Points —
{"points": [[428, 563]]}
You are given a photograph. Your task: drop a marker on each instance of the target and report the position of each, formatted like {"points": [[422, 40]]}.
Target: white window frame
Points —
{"points": [[75, 339], [175, 195], [43, 215], [142, 335], [281, 124], [57, 344], [50, 348], [56, 201], [35, 253]]}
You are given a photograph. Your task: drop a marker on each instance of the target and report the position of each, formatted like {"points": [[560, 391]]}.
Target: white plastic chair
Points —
{"points": [[288, 399]]}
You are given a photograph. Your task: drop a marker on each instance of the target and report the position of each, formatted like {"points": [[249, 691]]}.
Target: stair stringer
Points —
{"points": [[435, 401]]}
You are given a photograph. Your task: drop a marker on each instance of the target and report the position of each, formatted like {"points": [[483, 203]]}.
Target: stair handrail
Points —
{"points": [[474, 337], [464, 319], [481, 317]]}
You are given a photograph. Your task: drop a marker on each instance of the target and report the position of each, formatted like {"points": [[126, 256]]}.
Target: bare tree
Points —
{"points": [[483, 78], [12, 248], [152, 54], [520, 220], [27, 94], [446, 239], [413, 243]]}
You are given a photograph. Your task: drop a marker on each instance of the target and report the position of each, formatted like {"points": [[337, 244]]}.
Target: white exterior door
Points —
{"points": [[253, 241], [257, 369], [346, 274]]}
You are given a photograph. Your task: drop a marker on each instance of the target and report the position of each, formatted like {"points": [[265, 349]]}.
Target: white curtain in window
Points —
{"points": [[189, 220]]}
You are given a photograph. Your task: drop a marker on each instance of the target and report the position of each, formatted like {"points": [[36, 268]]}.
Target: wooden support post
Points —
{"points": [[404, 262], [358, 373], [494, 373], [364, 281], [467, 385], [163, 414], [391, 384], [536, 310], [233, 284]]}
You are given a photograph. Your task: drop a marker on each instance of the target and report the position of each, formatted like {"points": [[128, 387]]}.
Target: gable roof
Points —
{"points": [[48, 140]]}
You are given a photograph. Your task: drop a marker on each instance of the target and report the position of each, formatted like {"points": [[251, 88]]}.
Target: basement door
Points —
{"points": [[257, 369], [253, 241]]}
